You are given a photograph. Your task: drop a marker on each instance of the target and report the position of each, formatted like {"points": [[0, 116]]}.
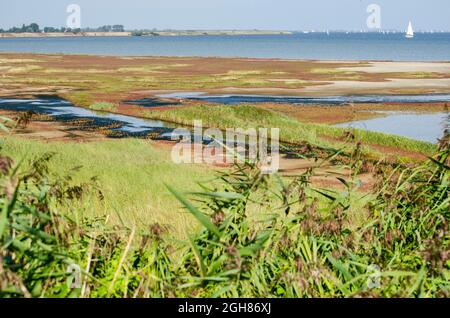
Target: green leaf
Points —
{"points": [[7, 208], [199, 257], [326, 195], [221, 195], [256, 246], [202, 218], [3, 219], [343, 181], [33, 231], [280, 290], [340, 267], [440, 164]]}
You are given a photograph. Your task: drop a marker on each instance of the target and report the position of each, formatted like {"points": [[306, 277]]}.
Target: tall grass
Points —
{"points": [[299, 242], [130, 172]]}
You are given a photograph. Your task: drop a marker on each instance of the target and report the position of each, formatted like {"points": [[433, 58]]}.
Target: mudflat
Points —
{"points": [[112, 78]]}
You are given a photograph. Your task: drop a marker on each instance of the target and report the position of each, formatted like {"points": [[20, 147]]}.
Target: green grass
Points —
{"points": [[299, 247], [332, 71], [24, 69], [291, 130], [131, 174], [103, 106]]}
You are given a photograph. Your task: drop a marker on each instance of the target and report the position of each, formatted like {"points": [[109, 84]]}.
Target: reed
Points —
{"points": [[259, 236]]}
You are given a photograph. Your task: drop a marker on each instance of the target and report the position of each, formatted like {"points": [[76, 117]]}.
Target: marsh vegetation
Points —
{"points": [[117, 218], [256, 235]]}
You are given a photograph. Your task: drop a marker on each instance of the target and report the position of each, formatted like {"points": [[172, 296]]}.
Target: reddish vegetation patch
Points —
{"points": [[346, 113], [93, 74]]}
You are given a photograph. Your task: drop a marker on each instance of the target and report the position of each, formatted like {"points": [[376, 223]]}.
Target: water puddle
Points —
{"points": [[418, 126], [122, 126], [65, 111]]}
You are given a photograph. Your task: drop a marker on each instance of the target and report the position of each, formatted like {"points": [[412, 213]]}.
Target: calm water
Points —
{"points": [[419, 126], [63, 110], [301, 100], [340, 46], [425, 127]]}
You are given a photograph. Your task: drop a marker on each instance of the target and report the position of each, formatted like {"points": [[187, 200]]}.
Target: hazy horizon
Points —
{"points": [[231, 14]]}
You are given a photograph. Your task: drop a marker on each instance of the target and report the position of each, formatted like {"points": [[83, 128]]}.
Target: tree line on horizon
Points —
{"points": [[34, 28]]}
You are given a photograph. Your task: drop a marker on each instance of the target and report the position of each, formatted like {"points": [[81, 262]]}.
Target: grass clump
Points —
{"points": [[24, 69], [130, 172], [103, 106], [291, 130], [35, 247], [331, 71]]}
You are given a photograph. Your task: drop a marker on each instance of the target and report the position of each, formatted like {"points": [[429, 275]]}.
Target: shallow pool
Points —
{"points": [[305, 100], [419, 126]]}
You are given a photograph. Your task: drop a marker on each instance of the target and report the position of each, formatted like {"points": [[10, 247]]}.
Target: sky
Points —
{"points": [[230, 14]]}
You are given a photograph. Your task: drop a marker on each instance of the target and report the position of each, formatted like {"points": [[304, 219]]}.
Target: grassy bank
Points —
{"points": [[291, 130], [130, 173]]}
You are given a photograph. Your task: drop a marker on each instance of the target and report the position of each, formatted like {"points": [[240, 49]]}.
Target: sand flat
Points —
{"points": [[395, 67]]}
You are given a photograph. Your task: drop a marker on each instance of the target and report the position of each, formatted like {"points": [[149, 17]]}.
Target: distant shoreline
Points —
{"points": [[130, 33]]}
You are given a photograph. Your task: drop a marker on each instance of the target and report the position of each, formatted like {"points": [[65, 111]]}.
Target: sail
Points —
{"points": [[410, 31]]}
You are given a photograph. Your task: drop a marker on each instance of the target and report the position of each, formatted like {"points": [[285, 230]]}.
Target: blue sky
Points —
{"points": [[230, 14]]}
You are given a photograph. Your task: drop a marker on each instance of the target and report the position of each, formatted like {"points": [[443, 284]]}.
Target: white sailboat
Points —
{"points": [[410, 31]]}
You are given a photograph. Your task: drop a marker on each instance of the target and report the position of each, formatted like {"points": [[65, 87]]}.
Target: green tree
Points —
{"points": [[118, 28], [33, 27]]}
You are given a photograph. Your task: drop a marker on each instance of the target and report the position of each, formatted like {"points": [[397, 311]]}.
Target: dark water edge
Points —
{"points": [[151, 102], [300, 100], [315, 46], [119, 126], [418, 126], [115, 125]]}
